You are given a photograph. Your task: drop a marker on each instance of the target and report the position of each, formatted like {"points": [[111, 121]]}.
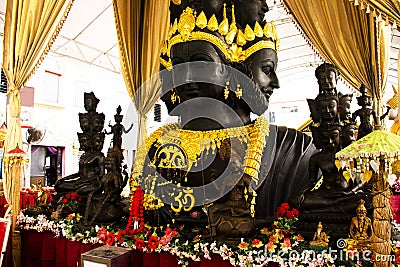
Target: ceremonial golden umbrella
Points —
{"points": [[372, 158]]}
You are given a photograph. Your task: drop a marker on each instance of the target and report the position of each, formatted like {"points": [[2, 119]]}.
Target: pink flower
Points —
{"points": [[165, 240], [171, 232], [102, 234]]}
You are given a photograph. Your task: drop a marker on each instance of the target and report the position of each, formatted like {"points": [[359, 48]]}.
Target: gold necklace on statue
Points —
{"points": [[181, 149]]}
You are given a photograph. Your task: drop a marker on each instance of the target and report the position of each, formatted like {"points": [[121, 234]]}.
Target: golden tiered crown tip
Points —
{"points": [[226, 36]]}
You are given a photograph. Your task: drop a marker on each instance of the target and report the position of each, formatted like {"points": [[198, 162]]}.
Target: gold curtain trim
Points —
{"points": [[123, 59]]}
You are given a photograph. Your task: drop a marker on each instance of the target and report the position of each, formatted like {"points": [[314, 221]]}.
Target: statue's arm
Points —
{"points": [[130, 128]]}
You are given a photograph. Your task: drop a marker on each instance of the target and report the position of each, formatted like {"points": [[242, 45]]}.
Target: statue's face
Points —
{"points": [[328, 109], [84, 142], [250, 11], [98, 142], [84, 122], [331, 139], [263, 65], [327, 80], [186, 77], [344, 107], [364, 101], [88, 104], [361, 213], [348, 135]]}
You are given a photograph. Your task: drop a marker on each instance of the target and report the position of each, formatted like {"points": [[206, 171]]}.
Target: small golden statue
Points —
{"points": [[41, 203], [320, 238], [360, 228]]}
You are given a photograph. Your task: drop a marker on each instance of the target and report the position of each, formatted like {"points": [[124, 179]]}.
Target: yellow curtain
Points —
{"points": [[390, 8], [142, 26], [346, 36], [30, 29]]}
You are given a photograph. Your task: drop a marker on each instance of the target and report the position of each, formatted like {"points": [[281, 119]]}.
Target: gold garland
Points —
{"points": [[196, 142]]}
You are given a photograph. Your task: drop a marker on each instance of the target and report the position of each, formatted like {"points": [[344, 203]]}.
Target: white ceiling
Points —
{"points": [[89, 35]]}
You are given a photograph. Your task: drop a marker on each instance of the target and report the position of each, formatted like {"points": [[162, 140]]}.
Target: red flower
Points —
{"points": [[257, 243], [152, 243], [120, 234], [68, 195], [280, 212], [110, 239], [286, 242], [139, 244], [74, 196], [290, 215], [272, 239], [293, 213], [80, 199], [285, 206], [65, 200]]}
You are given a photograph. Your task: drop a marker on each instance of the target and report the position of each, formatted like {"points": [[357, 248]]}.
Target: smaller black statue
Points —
{"points": [[365, 113], [118, 129]]}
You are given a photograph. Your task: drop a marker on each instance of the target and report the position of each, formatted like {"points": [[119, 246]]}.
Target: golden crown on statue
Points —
{"points": [[230, 40]]}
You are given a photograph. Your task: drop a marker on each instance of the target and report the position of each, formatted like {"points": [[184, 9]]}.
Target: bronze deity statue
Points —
{"points": [[331, 198], [218, 160], [91, 162], [100, 179], [365, 113]]}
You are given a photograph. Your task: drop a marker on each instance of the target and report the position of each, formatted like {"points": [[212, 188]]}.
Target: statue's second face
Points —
{"points": [[328, 109], [344, 108], [327, 80], [98, 142], [202, 78], [330, 138], [250, 11], [84, 142], [263, 65]]}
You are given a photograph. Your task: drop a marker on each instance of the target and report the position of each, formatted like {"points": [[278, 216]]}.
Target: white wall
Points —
{"points": [[61, 119]]}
